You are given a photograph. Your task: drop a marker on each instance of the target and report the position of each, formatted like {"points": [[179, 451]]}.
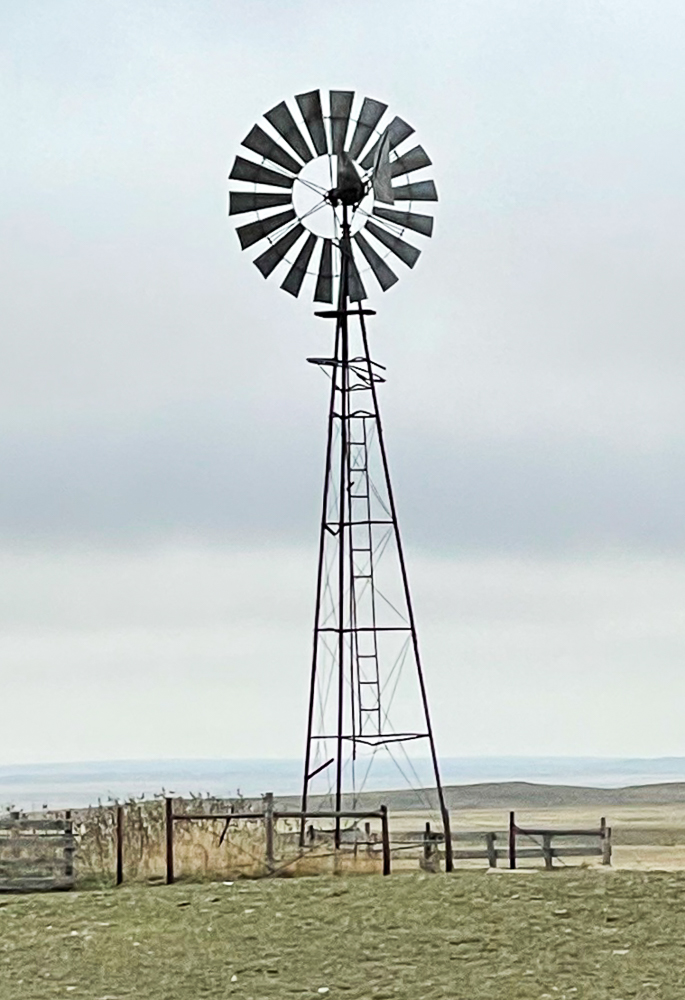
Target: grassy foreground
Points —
{"points": [[578, 935]]}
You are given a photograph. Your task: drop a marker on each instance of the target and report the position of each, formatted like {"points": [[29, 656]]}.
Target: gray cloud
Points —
{"points": [[153, 388]]}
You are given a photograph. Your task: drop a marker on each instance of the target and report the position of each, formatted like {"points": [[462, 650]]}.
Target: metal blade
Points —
{"points": [[259, 142], [369, 116], [381, 176], [385, 275], [282, 120], [310, 106], [419, 191], [324, 282], [249, 201], [295, 276], [408, 220], [246, 170], [413, 160], [253, 232], [405, 251], [355, 286], [268, 260], [398, 131], [341, 105]]}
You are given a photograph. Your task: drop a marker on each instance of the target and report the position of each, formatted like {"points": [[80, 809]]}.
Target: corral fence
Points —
{"points": [[574, 843], [36, 854], [510, 845], [167, 839], [304, 847]]}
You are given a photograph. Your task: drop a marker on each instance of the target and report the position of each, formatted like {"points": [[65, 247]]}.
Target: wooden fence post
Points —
{"points": [[269, 829], [547, 850], [68, 846], [169, 828], [120, 844], [385, 836], [491, 849], [606, 841], [512, 840]]}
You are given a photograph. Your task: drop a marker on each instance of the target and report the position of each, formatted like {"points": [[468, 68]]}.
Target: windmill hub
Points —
{"points": [[318, 204]]}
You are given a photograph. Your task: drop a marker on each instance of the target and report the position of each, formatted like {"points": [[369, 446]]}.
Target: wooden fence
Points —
{"points": [[266, 818], [510, 845], [425, 847], [36, 854], [595, 842]]}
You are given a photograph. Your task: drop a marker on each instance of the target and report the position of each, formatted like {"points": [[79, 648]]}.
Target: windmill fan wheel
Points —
{"points": [[343, 164]]}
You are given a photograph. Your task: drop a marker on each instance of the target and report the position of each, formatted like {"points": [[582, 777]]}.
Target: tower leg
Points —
{"points": [[349, 703]]}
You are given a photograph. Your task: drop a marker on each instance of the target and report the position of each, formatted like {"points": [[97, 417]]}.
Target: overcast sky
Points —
{"points": [[162, 436]]}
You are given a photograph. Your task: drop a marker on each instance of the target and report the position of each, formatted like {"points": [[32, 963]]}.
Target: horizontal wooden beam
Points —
{"points": [[520, 831]]}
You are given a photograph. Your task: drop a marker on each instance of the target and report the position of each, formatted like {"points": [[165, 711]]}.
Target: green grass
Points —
{"points": [[564, 935]]}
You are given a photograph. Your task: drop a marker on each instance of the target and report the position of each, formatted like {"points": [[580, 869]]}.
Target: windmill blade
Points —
{"points": [[381, 176], [413, 160], [246, 170], [341, 105], [259, 142], [295, 276], [385, 276], [282, 120], [355, 284], [419, 191], [369, 116], [405, 251], [398, 131], [268, 260], [310, 106], [249, 201], [253, 232], [324, 282], [408, 220]]}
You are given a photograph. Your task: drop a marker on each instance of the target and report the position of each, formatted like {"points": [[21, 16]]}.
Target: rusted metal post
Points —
{"points": [[385, 836], [120, 844], [449, 857], [512, 840], [427, 845], [169, 829], [269, 829]]}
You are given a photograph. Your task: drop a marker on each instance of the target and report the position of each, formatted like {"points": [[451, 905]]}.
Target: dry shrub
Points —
{"points": [[205, 849]]}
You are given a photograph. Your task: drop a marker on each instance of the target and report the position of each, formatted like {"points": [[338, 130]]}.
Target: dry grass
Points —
{"points": [[566, 935]]}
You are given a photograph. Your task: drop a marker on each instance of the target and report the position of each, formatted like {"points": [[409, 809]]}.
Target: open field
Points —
{"points": [[567, 935]]}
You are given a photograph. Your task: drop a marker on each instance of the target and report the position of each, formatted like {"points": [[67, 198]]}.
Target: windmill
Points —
{"points": [[330, 200]]}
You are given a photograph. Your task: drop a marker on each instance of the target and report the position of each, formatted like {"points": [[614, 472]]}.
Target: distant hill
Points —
{"points": [[511, 795]]}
